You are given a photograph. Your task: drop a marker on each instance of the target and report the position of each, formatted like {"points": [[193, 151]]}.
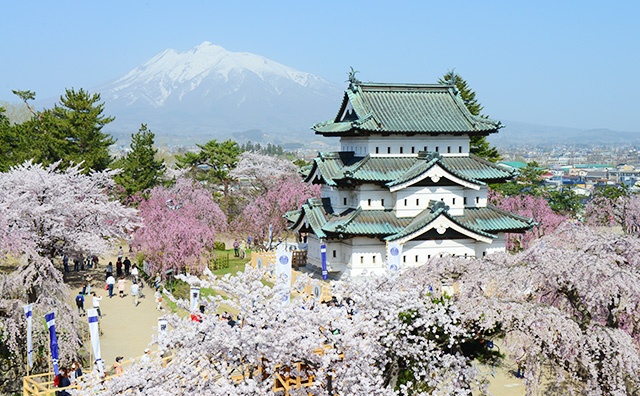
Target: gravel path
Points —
{"points": [[126, 329]]}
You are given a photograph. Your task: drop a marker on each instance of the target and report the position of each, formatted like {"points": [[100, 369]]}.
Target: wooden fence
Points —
{"points": [[42, 384]]}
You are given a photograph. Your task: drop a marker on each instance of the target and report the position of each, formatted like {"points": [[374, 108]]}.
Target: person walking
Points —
{"points": [[236, 248], [127, 266], [76, 263], [119, 267], [118, 365], [134, 272], [96, 302], [121, 286], [109, 269], [111, 281], [95, 261], [65, 262], [158, 297], [80, 302], [89, 280], [120, 253], [135, 290]]}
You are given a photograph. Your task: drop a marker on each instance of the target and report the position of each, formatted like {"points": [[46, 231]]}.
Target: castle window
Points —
{"points": [[369, 201], [448, 149], [477, 200], [334, 254], [388, 150], [416, 258], [374, 259], [428, 257], [413, 150], [425, 148], [361, 259], [484, 254], [437, 149], [404, 259], [400, 150], [405, 202], [382, 202], [464, 200], [377, 150], [417, 202], [344, 200], [459, 149], [453, 202]]}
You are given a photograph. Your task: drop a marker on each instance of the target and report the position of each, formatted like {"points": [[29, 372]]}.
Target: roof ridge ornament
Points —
{"points": [[453, 80], [352, 80]]}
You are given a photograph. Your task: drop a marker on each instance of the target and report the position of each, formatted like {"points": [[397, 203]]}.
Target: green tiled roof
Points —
{"points": [[474, 167], [384, 223], [405, 108], [492, 219], [365, 222], [340, 168]]}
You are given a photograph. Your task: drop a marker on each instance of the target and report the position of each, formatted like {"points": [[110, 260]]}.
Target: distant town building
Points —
{"points": [[403, 175]]}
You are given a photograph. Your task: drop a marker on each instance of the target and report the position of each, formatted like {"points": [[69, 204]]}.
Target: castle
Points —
{"points": [[404, 175]]}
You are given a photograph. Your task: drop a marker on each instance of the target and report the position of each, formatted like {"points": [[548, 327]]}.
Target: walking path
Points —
{"points": [[126, 329]]}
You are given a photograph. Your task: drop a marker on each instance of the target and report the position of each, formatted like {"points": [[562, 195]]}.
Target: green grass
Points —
{"points": [[181, 289]]}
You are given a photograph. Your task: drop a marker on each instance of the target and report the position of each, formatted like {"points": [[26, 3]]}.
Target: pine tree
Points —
{"points": [[78, 121], [140, 170], [479, 144]]}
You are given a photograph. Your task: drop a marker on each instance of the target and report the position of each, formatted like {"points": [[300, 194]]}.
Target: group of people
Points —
{"points": [[67, 377]]}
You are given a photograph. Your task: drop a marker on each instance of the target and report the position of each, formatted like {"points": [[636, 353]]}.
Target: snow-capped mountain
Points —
{"points": [[209, 90]]}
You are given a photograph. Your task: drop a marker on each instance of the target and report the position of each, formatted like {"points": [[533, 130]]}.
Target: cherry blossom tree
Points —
{"points": [[570, 303], [46, 211], [614, 206], [180, 227], [262, 172], [386, 339], [268, 209], [531, 206]]}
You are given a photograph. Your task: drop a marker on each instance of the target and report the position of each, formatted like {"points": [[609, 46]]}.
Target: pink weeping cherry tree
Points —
{"points": [[265, 210], [180, 225], [534, 207], [46, 211]]}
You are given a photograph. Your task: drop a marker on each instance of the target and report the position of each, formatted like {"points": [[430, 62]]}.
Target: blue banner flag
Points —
{"points": [[51, 324], [323, 256]]}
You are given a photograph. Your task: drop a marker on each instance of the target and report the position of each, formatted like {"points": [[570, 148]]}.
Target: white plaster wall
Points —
{"points": [[417, 199], [405, 145], [496, 246], [367, 254], [424, 250], [376, 194], [476, 198]]}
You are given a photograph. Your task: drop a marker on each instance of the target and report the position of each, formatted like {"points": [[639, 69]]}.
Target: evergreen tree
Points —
{"points": [[70, 132], [218, 159], [479, 144], [79, 120], [140, 170]]}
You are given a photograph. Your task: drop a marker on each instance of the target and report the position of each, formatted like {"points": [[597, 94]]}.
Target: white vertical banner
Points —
{"points": [[28, 311], [195, 298], [394, 253], [94, 333], [162, 333], [283, 273]]}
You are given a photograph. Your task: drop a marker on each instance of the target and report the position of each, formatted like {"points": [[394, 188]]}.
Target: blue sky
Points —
{"points": [[563, 63]]}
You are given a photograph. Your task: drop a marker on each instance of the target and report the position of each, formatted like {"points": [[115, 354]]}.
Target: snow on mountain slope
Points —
{"points": [[210, 90]]}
